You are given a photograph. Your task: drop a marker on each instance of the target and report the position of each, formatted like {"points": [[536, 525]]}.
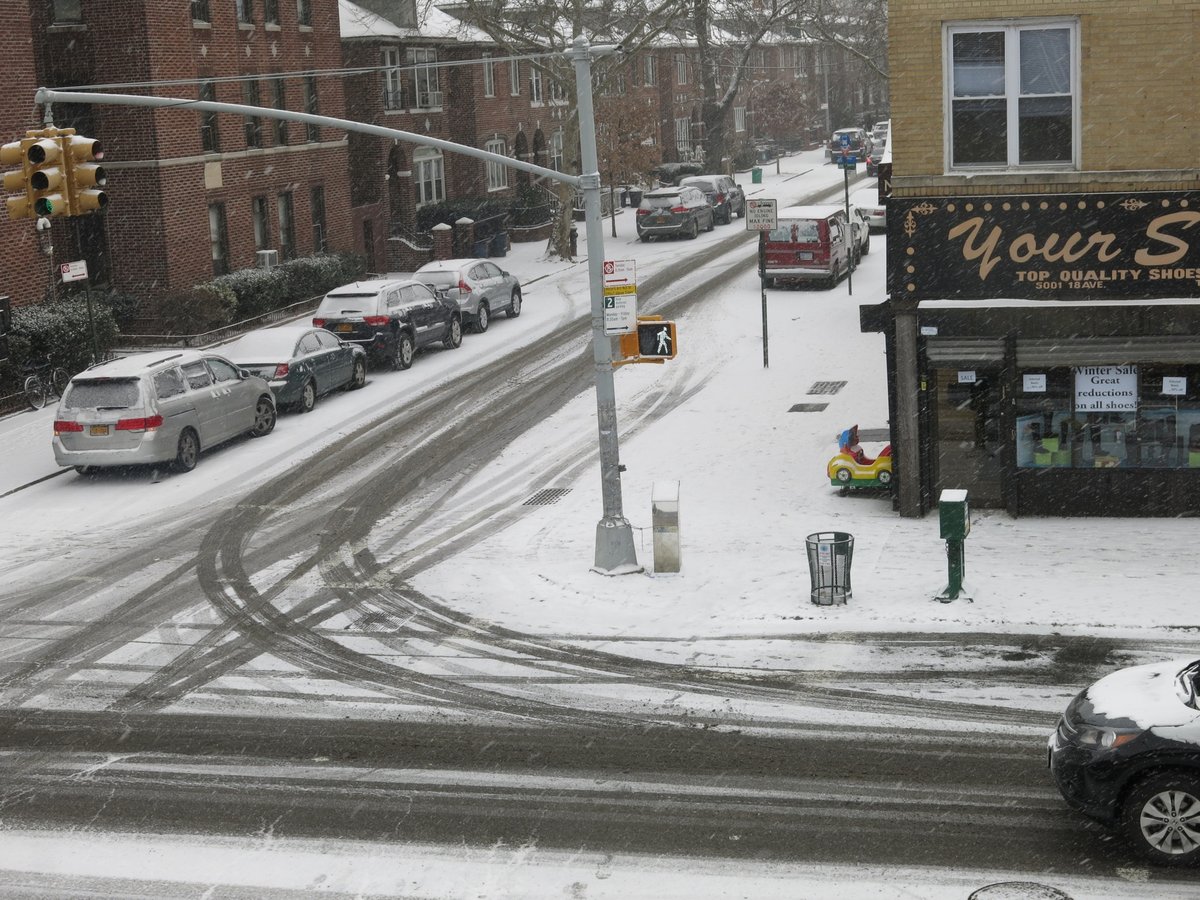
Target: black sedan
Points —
{"points": [[300, 363]]}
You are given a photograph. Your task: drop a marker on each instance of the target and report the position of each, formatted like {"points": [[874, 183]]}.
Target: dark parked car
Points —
{"points": [[875, 157], [481, 288], [1127, 753], [670, 212], [300, 363], [723, 193], [859, 143], [391, 318]]}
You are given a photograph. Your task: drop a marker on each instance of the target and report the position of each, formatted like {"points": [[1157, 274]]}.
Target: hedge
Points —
{"points": [[258, 291], [59, 330]]}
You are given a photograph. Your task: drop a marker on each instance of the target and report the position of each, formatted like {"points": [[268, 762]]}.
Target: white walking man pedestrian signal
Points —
{"points": [[656, 339]]}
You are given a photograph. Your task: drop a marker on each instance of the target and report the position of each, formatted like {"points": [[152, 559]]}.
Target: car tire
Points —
{"points": [[712, 222], [845, 476], [644, 238], [867, 244], [884, 477], [187, 451], [405, 350], [265, 417], [514, 305], [308, 397], [359, 376], [483, 318], [835, 276], [695, 230], [453, 334], [85, 470], [1153, 807]]}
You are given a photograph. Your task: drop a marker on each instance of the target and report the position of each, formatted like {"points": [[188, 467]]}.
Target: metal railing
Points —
{"points": [[136, 343]]}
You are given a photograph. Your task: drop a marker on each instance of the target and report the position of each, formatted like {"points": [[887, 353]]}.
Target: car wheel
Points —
{"points": [[514, 305], [1161, 817], [712, 222], [884, 477], [483, 318], [187, 451], [644, 238], [835, 276], [359, 378], [84, 470], [454, 334], [845, 476], [405, 349], [867, 245], [695, 230], [264, 417], [308, 397]]}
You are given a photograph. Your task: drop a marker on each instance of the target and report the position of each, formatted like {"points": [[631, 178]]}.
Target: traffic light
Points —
{"points": [[84, 177], [656, 339], [16, 183], [47, 179]]}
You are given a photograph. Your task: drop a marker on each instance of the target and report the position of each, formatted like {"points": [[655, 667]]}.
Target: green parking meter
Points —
{"points": [[954, 516]]}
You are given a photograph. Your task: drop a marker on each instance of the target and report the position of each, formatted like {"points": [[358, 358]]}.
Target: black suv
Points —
{"points": [[391, 319], [1127, 753]]}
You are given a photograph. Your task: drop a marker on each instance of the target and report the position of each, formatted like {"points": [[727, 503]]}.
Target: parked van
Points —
{"points": [[809, 243]]}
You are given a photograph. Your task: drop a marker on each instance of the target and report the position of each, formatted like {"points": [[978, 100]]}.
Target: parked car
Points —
{"points": [[670, 212], [859, 145], [860, 229], [391, 318], [1127, 753], [875, 157], [299, 362], [808, 243], [480, 288], [724, 194], [867, 200], [163, 406], [881, 130]]}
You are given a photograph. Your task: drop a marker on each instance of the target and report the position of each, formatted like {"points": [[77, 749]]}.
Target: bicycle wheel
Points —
{"points": [[59, 379], [35, 392]]}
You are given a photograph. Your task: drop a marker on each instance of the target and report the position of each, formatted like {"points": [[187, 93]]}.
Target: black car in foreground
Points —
{"points": [[1127, 753], [300, 363]]}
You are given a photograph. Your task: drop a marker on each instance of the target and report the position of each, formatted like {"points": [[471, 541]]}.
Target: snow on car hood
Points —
{"points": [[1149, 697]]}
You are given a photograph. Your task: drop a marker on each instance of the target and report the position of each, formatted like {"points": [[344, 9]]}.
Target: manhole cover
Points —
{"points": [[1018, 890], [808, 407], [546, 496], [826, 387]]}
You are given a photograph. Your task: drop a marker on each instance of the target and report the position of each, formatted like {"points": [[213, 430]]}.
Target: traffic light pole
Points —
{"points": [[615, 552]]}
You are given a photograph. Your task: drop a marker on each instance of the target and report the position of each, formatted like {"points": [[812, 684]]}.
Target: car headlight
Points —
{"points": [[1106, 738]]}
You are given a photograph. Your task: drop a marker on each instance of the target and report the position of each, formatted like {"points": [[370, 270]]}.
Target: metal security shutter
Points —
{"points": [[1040, 353], [949, 351]]}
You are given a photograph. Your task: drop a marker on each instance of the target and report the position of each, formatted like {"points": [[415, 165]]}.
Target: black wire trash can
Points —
{"points": [[829, 557]]}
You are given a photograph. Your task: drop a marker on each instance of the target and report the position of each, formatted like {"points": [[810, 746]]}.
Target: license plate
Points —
{"points": [[98, 430], [804, 254], [663, 220], [344, 328]]}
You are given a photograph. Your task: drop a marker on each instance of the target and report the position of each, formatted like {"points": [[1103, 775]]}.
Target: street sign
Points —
{"points": [[74, 271], [619, 271], [761, 215], [845, 139], [848, 162], [620, 313]]}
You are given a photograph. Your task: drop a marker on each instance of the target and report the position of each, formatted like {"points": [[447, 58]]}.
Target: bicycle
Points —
{"points": [[44, 381]]}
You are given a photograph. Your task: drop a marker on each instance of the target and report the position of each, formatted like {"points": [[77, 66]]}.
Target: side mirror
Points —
{"points": [[243, 373]]}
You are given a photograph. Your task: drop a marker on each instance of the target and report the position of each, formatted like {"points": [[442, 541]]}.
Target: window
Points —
{"points": [[739, 118], [320, 244], [197, 374], [209, 138], [200, 11], [218, 238], [425, 77], [310, 106], [245, 10], [489, 76], [556, 151], [262, 227], [271, 12], [681, 68], [304, 12], [429, 180], [393, 87], [168, 383], [221, 370], [535, 84], [281, 125], [683, 135], [558, 93], [497, 174], [514, 77], [1012, 94], [253, 123], [760, 60], [650, 70], [287, 226], [68, 12]]}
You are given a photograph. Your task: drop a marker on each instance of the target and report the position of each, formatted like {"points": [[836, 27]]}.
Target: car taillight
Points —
{"points": [[375, 320], [463, 286], [61, 427], [318, 323], [720, 198], [679, 209], [281, 370], [643, 212], [149, 423]]}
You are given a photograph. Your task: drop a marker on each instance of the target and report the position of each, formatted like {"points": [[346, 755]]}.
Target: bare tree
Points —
{"points": [[625, 139]]}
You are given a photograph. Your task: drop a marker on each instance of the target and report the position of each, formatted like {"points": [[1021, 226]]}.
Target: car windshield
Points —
{"points": [[267, 344], [107, 393], [662, 201], [796, 231]]}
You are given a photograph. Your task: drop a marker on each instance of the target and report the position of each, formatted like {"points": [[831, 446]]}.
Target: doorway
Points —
{"points": [[970, 445]]}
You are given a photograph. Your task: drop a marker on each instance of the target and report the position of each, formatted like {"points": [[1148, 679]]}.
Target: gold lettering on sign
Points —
{"points": [[1153, 231], [971, 251], [1028, 246]]}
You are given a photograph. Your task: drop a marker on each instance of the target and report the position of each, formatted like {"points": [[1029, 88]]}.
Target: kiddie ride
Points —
{"points": [[852, 468]]}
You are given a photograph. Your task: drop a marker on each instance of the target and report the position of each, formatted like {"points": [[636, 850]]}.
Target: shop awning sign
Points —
{"points": [[1106, 388]]}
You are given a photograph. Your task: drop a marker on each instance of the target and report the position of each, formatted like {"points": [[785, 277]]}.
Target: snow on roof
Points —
{"points": [[432, 22]]}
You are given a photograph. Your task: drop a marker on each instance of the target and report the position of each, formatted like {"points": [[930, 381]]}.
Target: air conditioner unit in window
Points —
{"points": [[268, 258]]}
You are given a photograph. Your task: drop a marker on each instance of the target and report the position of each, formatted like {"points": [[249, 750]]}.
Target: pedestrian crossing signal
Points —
{"points": [[656, 339]]}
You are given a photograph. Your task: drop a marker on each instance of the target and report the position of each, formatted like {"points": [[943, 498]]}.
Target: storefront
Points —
{"points": [[1053, 372]]}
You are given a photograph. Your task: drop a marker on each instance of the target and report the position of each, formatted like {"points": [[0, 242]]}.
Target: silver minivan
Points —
{"points": [[163, 406]]}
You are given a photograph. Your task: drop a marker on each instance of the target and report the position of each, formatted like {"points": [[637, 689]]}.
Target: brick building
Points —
{"points": [[1044, 262]]}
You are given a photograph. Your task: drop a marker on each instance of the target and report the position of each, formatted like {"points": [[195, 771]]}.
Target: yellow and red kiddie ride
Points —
{"points": [[852, 468]]}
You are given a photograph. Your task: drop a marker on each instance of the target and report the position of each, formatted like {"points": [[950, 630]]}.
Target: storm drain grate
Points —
{"points": [[547, 496], [377, 621], [808, 407], [826, 387]]}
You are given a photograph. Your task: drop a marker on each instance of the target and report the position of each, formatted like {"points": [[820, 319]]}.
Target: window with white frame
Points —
{"points": [[1012, 93], [514, 77], [489, 76], [393, 85], [497, 173], [681, 68], [425, 77], [535, 84], [556, 151], [558, 92], [683, 135], [650, 70], [739, 118], [429, 180]]}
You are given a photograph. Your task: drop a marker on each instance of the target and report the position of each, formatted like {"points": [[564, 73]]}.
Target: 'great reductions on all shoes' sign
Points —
{"points": [[1106, 388]]}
